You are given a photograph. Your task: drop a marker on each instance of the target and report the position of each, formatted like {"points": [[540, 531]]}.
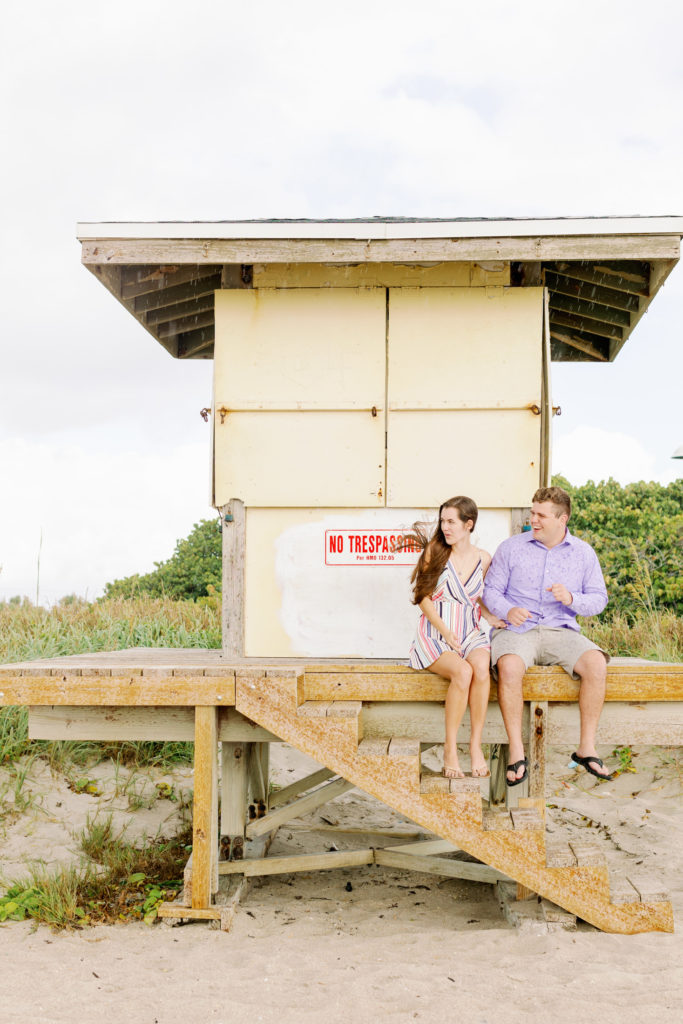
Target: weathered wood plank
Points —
{"points": [[304, 805], [439, 866], [168, 297], [298, 862], [139, 280], [424, 847], [287, 793], [217, 251], [538, 716], [404, 746], [189, 913], [123, 690], [205, 809], [652, 722], [234, 561], [228, 905], [59, 722], [580, 343], [234, 758]]}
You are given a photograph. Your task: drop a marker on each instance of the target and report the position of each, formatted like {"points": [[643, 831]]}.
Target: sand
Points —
{"points": [[357, 945]]}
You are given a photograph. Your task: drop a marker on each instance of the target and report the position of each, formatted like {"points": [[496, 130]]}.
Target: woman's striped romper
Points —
{"points": [[456, 603]]}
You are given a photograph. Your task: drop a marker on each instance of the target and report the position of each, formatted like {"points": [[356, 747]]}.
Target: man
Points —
{"points": [[538, 582]]}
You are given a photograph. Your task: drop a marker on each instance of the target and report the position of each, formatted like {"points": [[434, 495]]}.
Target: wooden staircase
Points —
{"points": [[573, 876]]}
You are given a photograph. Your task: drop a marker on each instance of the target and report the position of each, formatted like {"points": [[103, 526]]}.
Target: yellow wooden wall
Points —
{"points": [[373, 396]]}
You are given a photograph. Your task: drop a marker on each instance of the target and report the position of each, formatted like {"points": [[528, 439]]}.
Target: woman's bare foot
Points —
{"points": [[480, 769], [451, 765]]}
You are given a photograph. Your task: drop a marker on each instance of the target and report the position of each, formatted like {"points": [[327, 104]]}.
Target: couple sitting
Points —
{"points": [[530, 593]]}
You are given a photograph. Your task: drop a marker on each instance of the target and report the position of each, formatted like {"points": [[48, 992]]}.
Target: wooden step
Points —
{"points": [[524, 818], [588, 855], [496, 821], [396, 746], [432, 782], [559, 854], [330, 709]]}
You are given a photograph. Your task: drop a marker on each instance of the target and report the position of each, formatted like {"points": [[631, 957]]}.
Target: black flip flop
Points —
{"points": [[586, 763], [514, 768]]}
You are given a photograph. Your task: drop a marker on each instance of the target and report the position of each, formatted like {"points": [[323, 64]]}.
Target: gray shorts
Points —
{"points": [[541, 645]]}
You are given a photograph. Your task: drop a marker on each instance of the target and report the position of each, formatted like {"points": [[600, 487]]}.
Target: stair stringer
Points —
{"points": [[272, 702]]}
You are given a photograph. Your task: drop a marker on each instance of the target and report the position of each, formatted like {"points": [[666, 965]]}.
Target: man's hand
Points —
{"points": [[560, 593], [518, 616]]}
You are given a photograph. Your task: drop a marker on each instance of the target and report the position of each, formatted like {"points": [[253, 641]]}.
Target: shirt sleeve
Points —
{"points": [[592, 597], [496, 582]]}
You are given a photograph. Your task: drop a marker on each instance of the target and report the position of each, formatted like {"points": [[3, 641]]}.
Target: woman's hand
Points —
{"points": [[451, 639]]}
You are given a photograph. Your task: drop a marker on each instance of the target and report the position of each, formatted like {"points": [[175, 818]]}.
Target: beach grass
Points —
{"points": [[75, 626]]}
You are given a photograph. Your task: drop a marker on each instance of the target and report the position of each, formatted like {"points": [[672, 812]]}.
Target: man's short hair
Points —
{"points": [[557, 496]]}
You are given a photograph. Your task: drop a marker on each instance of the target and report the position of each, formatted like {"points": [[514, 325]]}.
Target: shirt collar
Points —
{"points": [[530, 539]]}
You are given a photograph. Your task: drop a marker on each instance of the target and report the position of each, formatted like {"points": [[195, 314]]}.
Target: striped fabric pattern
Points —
{"points": [[456, 603]]}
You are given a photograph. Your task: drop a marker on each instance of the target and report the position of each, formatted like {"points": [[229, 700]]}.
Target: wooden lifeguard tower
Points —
{"points": [[364, 371]]}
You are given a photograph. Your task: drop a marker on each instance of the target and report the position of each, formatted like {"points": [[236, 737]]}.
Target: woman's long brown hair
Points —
{"points": [[435, 549]]}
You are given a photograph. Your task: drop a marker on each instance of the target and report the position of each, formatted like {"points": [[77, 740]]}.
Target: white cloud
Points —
{"points": [[101, 515], [588, 453]]}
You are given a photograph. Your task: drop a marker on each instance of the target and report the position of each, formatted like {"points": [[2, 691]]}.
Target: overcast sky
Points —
{"points": [[221, 110]]}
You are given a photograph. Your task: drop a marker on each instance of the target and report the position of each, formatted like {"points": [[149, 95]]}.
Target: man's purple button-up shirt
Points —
{"points": [[522, 569]]}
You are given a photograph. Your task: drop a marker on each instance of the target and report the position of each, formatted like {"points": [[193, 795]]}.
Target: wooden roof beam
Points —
{"points": [[590, 310], [580, 344], [194, 289], [563, 285], [203, 252], [610, 331], [636, 283], [140, 280], [197, 343], [185, 324], [180, 309]]}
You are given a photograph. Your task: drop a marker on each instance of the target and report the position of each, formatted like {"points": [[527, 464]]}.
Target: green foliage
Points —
{"points": [[637, 533], [120, 881], [193, 571]]}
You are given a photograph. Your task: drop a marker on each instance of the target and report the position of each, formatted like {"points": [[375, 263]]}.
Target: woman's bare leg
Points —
{"points": [[459, 674], [480, 660]]}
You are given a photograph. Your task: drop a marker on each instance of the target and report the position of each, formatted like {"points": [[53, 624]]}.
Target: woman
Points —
{"points": [[448, 581]]}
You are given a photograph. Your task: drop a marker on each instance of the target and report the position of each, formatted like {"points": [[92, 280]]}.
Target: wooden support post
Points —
{"points": [[234, 774], [205, 813], [538, 716], [258, 768], [233, 522], [498, 759]]}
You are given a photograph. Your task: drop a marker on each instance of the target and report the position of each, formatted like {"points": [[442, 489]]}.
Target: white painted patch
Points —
{"points": [[355, 611]]}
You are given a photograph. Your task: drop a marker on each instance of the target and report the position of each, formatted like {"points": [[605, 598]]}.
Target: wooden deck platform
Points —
{"points": [[175, 676], [364, 721]]}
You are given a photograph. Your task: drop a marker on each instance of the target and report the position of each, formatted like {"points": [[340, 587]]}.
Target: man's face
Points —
{"points": [[546, 525]]}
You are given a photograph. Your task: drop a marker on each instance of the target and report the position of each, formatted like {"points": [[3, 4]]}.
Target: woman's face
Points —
{"points": [[453, 527]]}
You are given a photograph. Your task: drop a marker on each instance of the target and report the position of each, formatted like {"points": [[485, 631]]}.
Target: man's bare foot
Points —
{"points": [[516, 770]]}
